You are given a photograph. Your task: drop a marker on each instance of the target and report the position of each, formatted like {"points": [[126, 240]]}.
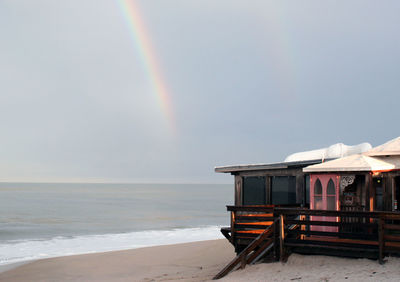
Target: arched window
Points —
{"points": [[331, 196], [331, 188], [318, 195]]}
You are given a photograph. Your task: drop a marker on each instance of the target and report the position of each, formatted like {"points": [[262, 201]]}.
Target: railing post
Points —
{"points": [[276, 237], [233, 215], [281, 236], [302, 226], [381, 233]]}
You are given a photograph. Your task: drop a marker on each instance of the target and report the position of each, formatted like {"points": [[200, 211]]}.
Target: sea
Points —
{"points": [[41, 220]]}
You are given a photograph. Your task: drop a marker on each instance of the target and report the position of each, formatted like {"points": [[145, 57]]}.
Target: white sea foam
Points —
{"points": [[23, 250]]}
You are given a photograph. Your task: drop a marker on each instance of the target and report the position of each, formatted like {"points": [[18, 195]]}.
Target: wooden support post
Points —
{"points": [[238, 190], [276, 238], [393, 188], [300, 189], [233, 215], [381, 239], [302, 227], [282, 237]]}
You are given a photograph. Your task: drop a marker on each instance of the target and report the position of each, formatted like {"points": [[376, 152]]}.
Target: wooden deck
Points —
{"points": [[370, 234]]}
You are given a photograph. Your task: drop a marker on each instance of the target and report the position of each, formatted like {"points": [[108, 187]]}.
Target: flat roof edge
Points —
{"points": [[227, 169], [335, 169], [271, 166]]}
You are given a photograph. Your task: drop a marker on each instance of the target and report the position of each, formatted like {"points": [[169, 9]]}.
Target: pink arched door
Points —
{"points": [[324, 195]]}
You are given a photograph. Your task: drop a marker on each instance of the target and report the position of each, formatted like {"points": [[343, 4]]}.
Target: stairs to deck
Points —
{"points": [[256, 250]]}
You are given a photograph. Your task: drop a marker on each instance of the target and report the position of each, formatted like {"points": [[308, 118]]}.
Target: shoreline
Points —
{"points": [[10, 266], [36, 249]]}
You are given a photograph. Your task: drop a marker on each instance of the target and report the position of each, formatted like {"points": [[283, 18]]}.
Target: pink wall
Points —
{"points": [[324, 179]]}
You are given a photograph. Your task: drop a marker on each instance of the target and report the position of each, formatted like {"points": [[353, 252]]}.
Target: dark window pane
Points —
{"points": [[283, 190], [318, 188], [254, 190], [379, 198], [331, 188]]}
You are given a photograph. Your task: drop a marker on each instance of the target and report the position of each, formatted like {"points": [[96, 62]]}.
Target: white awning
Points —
{"points": [[390, 148], [357, 162]]}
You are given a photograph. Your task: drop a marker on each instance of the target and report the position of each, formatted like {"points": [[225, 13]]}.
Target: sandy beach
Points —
{"points": [[319, 269], [198, 261]]}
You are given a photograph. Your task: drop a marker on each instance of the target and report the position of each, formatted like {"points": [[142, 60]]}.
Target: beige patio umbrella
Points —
{"points": [[358, 162], [390, 148]]}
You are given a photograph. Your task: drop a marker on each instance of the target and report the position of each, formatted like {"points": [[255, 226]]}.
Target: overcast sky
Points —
{"points": [[248, 82]]}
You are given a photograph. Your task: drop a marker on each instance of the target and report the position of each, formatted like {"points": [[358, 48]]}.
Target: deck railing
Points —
{"points": [[374, 233], [367, 234]]}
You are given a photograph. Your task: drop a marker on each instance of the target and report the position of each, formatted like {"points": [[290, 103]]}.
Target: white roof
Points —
{"points": [[334, 151], [391, 147], [359, 162]]}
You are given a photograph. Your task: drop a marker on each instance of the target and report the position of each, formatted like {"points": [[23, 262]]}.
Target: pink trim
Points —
{"points": [[324, 179]]}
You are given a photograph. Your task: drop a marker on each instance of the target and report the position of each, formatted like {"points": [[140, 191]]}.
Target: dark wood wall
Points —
{"points": [[296, 172]]}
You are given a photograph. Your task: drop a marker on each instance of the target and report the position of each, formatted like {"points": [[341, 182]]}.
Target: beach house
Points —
{"points": [[283, 183], [341, 200], [368, 181]]}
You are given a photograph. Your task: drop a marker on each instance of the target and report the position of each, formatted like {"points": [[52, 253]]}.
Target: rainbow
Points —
{"points": [[142, 42]]}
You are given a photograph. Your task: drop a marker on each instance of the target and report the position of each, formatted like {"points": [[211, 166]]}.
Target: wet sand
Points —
{"points": [[198, 261]]}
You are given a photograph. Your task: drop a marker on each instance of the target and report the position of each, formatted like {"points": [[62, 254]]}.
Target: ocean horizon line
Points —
{"points": [[114, 182]]}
